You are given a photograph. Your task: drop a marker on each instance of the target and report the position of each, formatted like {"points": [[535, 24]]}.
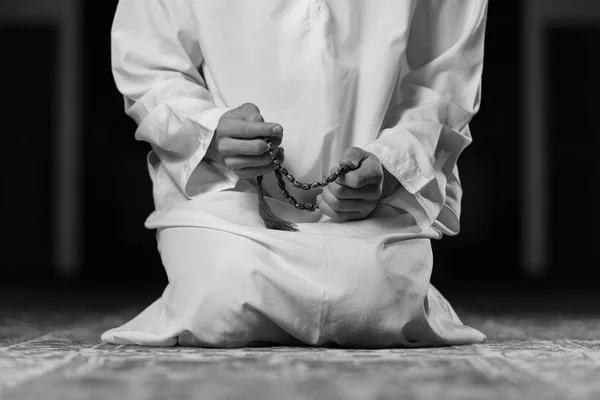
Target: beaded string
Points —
{"points": [[270, 219]]}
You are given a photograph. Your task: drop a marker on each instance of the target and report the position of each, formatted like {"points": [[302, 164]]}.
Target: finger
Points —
{"points": [[249, 147], [344, 205], [367, 192], [275, 140], [370, 172], [353, 157], [337, 216], [253, 172], [241, 162], [280, 154], [241, 129]]}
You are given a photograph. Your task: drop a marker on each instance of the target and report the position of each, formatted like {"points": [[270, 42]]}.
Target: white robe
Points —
{"points": [[400, 79]]}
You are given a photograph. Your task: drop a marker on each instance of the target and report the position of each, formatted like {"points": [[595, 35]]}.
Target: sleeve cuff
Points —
{"points": [[403, 156], [216, 176], [189, 132], [422, 209]]}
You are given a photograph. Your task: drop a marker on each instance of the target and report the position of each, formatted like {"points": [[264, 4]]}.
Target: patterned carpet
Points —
{"points": [[50, 350]]}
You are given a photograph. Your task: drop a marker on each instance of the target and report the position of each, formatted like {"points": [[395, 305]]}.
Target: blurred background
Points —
{"points": [[75, 190]]}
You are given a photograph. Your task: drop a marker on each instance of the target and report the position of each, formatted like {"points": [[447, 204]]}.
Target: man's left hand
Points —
{"points": [[355, 194]]}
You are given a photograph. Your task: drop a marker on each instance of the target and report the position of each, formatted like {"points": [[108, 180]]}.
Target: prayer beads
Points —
{"points": [[281, 172]]}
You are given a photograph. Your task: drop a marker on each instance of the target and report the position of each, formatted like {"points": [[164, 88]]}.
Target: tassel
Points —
{"points": [[271, 220]]}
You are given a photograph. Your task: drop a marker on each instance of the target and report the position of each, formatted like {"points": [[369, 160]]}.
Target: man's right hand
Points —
{"points": [[239, 141]]}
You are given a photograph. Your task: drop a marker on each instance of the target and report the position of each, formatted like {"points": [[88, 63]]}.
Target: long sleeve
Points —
{"points": [[426, 127], [155, 61]]}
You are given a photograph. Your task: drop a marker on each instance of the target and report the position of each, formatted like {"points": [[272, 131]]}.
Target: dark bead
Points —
{"points": [[305, 186], [299, 206], [309, 206], [283, 171]]}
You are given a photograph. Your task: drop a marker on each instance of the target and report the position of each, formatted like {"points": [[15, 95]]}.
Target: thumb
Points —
{"points": [[353, 157]]}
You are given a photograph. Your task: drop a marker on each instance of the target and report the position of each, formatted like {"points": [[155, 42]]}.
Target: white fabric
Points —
{"points": [[400, 79]]}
